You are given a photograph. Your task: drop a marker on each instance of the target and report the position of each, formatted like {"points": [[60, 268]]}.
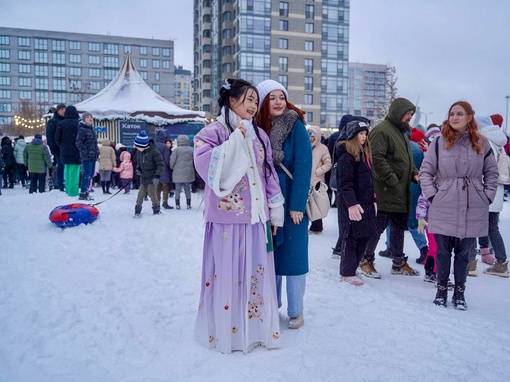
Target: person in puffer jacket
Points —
{"points": [[125, 171], [183, 172], [86, 141]]}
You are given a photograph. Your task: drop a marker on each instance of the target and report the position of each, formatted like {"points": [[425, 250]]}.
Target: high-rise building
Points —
{"points": [[183, 88], [302, 44], [367, 89], [49, 67]]}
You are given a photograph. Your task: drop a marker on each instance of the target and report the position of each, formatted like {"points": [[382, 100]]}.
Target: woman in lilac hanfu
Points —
{"points": [[243, 204]]}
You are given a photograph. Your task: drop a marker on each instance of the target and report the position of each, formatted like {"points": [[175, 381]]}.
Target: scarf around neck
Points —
{"points": [[280, 129], [233, 120]]}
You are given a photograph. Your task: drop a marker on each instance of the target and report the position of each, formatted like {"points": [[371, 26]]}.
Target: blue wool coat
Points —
{"points": [[291, 241]]}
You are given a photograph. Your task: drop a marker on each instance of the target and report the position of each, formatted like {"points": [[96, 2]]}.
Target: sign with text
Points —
{"points": [[128, 130]]}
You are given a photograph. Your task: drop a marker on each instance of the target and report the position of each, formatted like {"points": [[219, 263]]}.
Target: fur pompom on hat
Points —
{"points": [[353, 128], [417, 135], [497, 119], [267, 86], [142, 140]]}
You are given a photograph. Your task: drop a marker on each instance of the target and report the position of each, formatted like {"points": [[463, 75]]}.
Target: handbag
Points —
{"points": [[333, 180], [318, 204]]}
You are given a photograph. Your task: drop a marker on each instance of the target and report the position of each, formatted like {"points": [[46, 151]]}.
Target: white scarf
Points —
{"points": [[235, 120]]}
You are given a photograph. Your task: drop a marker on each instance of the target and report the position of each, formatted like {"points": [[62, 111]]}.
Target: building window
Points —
{"points": [[41, 83], [94, 60], [95, 85], [284, 9], [308, 99], [59, 97], [128, 49], [227, 33], [166, 52], [309, 11], [41, 70], [59, 84], [5, 107], [309, 28], [41, 43], [156, 76], [41, 57], [143, 51], [309, 46], [42, 97], [75, 85], [73, 71], [155, 87], [283, 25], [23, 41], [75, 58], [5, 94], [74, 45], [58, 71], [166, 64], [283, 63], [155, 51], [143, 74], [309, 83], [58, 58], [73, 97], [5, 53], [283, 43], [25, 94], [94, 72], [284, 80], [226, 51], [5, 120], [143, 62], [309, 116], [308, 65], [23, 68], [110, 48], [25, 82], [5, 68], [111, 62], [227, 68], [155, 64], [58, 45], [109, 74], [5, 40], [5, 81], [94, 47]]}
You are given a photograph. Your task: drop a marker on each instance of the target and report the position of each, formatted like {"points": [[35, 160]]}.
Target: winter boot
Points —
{"points": [[386, 253], [156, 210], [442, 294], [335, 254], [353, 280], [487, 256], [138, 211], [108, 187], [166, 206], [472, 268], [296, 322], [85, 196], [368, 269], [430, 277], [400, 267], [423, 255], [103, 186], [177, 204], [188, 204], [498, 269], [429, 264], [458, 299]]}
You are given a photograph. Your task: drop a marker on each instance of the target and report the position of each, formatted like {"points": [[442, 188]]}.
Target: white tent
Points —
{"points": [[129, 97]]}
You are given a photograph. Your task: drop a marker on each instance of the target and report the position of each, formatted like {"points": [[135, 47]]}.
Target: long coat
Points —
{"points": [[65, 137], [460, 183], [321, 160], [355, 186], [161, 137], [392, 160], [107, 160], [291, 244], [181, 161], [51, 129]]}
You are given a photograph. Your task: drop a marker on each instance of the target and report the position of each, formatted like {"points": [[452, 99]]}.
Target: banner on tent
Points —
{"points": [[128, 130]]}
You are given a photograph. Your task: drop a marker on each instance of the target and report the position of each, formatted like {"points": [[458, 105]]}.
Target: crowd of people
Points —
{"points": [[259, 161]]}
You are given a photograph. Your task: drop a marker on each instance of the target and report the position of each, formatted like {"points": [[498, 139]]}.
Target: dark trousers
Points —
{"points": [[316, 226], [498, 245], [8, 176], [461, 249], [58, 175], [351, 254], [398, 224], [21, 169], [37, 182]]}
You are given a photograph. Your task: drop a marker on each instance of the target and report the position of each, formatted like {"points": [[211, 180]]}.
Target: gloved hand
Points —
{"points": [[138, 172], [422, 224], [277, 216], [155, 181], [355, 212]]}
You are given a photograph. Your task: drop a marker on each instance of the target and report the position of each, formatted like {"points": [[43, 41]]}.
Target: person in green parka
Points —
{"points": [[37, 158], [393, 171]]}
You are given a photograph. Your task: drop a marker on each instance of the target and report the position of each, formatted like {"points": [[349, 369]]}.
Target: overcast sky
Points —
{"points": [[444, 50]]}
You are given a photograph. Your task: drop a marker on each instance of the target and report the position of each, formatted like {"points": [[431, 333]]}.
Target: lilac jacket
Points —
{"points": [[460, 185], [232, 166]]}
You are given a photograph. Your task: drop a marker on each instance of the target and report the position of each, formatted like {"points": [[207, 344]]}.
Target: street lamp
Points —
{"points": [[426, 115], [506, 116]]}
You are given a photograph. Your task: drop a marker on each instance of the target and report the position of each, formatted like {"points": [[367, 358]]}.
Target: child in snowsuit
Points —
{"points": [[125, 171]]}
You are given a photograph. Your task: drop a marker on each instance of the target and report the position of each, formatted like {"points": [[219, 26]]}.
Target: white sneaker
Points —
{"points": [[353, 280], [296, 322]]}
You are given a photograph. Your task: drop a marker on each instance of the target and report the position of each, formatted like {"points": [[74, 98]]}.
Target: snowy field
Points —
{"points": [[116, 301]]}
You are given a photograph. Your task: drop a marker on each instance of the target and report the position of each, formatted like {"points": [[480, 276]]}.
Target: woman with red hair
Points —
{"points": [[459, 176]]}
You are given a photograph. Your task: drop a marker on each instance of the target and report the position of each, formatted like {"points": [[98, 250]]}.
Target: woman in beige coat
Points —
{"points": [[106, 164], [321, 164]]}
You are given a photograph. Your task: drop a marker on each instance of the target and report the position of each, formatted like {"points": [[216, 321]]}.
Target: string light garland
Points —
{"points": [[29, 123]]}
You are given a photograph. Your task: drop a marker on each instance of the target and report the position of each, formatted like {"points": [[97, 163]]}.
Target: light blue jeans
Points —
{"points": [[295, 293]]}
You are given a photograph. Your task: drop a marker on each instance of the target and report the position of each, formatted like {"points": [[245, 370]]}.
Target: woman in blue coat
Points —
{"points": [[290, 142]]}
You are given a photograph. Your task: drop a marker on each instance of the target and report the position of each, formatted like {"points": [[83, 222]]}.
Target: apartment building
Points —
{"points": [[367, 89], [183, 88]]}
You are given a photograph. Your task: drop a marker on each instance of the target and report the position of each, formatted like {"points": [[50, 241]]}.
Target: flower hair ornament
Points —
{"points": [[226, 84]]}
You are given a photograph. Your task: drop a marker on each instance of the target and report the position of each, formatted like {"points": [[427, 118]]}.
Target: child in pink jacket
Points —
{"points": [[125, 171]]}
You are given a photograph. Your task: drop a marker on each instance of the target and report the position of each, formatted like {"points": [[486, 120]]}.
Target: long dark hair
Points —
{"points": [[237, 88]]}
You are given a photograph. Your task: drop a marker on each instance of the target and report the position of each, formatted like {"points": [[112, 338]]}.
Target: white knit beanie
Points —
{"points": [[267, 86]]}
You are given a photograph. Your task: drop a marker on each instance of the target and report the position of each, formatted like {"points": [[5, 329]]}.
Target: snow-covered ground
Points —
{"points": [[116, 301]]}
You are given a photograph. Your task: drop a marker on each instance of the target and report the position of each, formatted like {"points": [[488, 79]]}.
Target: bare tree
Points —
{"points": [[28, 119], [391, 93], [79, 88]]}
